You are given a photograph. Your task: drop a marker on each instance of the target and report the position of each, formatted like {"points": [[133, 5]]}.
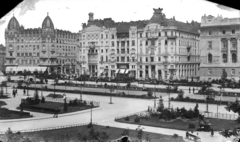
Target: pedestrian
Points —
{"points": [[193, 90], [212, 133], [187, 134], [16, 91], [24, 92], [55, 113], [13, 93], [189, 90]]}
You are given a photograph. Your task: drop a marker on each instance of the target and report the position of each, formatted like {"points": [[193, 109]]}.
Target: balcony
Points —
{"points": [[171, 37], [10, 57], [224, 49], [233, 49], [165, 62], [166, 54]]}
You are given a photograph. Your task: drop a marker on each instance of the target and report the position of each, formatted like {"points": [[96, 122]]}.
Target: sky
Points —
{"points": [[70, 14]]}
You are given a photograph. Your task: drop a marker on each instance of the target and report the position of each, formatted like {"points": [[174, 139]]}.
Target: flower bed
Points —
{"points": [[12, 114], [187, 99]]}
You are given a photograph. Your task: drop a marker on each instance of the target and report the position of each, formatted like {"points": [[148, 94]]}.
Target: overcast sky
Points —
{"points": [[70, 14]]}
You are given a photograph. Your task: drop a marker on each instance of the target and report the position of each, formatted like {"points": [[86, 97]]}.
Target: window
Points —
{"points": [[233, 31], [101, 50], [146, 59], [106, 36], [101, 36], [140, 59], [159, 34], [10, 53], [112, 36], [233, 72], [146, 43], [210, 44], [159, 59], [117, 51], [140, 34], [106, 58], [122, 59], [152, 42], [224, 57], [159, 50], [133, 59], [165, 33], [133, 42], [140, 43], [234, 44], [128, 59], [210, 32], [209, 71], [152, 59], [223, 32], [117, 59], [166, 42], [234, 57], [224, 43]]}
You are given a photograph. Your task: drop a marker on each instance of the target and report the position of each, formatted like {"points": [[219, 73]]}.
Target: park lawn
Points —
{"points": [[58, 105], [2, 103], [218, 125], [113, 133], [15, 116]]}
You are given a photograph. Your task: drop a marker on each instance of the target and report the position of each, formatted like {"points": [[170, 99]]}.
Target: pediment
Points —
{"points": [[93, 28]]}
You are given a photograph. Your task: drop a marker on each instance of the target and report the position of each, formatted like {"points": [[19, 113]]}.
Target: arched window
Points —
{"points": [[209, 58], [234, 57], [224, 57]]}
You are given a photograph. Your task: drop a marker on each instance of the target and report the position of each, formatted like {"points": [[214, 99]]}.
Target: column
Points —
{"points": [[61, 70], [238, 51], [229, 51]]}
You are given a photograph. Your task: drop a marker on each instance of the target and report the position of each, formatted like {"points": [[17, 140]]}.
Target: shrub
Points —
{"points": [[175, 135], [43, 100], [137, 119], [126, 118], [191, 126]]}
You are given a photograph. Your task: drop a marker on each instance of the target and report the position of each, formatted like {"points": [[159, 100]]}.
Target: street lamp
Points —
{"points": [[111, 90], [219, 100]]}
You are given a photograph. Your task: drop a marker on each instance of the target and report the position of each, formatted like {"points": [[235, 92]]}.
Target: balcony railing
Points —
{"points": [[223, 49], [171, 37], [165, 54], [233, 49]]}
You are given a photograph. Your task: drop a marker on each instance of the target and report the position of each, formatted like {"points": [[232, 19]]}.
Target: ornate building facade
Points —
{"points": [[2, 57], [40, 48], [220, 47], [158, 48]]}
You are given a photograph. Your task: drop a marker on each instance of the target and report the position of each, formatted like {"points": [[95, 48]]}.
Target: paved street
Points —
{"points": [[103, 116]]}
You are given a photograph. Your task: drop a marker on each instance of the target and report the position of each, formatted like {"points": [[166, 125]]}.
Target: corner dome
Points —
{"points": [[158, 17], [13, 24], [47, 23]]}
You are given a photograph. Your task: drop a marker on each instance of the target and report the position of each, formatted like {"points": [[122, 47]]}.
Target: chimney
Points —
{"points": [[90, 16]]}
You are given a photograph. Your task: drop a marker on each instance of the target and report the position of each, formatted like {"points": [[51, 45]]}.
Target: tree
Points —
{"points": [[139, 133], [125, 132], [180, 94], [224, 75], [65, 107], [196, 111]]}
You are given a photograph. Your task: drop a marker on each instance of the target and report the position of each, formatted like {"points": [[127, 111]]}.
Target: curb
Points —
{"points": [[47, 117]]}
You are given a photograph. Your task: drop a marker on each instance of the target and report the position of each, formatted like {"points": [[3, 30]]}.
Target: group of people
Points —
{"points": [[193, 90], [14, 92]]}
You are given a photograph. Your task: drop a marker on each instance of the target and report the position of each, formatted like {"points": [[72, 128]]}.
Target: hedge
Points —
{"points": [[187, 99]]}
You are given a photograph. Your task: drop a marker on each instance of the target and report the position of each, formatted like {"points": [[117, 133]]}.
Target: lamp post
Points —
{"points": [[91, 103], [111, 90], [155, 95]]}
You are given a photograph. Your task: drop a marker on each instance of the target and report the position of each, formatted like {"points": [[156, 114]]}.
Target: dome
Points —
{"points": [[13, 23], [47, 23], [158, 17]]}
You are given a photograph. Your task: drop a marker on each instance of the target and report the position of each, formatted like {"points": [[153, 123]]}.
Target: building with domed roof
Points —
{"points": [[159, 48], [40, 49]]}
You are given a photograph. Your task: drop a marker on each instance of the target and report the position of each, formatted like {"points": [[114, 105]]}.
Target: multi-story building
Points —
{"points": [[40, 48], [158, 48], [2, 57], [220, 47]]}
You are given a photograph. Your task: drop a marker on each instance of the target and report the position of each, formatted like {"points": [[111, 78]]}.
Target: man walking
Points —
{"points": [[193, 90], [55, 114], [189, 90], [16, 91], [13, 93], [24, 92]]}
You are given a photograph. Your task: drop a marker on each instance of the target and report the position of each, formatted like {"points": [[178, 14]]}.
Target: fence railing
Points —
{"points": [[68, 100], [219, 115], [51, 128]]}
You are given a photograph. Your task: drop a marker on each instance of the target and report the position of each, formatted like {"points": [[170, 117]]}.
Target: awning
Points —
{"points": [[122, 71], [11, 69], [127, 70], [31, 68], [43, 69], [117, 71]]}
